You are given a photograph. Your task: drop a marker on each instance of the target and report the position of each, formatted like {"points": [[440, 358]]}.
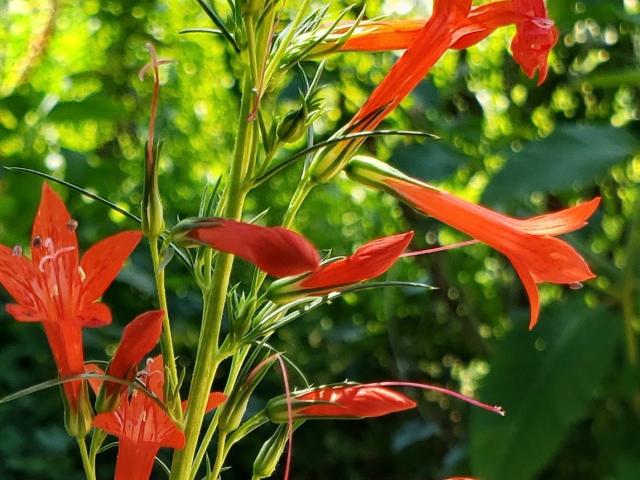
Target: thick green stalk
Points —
{"points": [[629, 286], [166, 340], [207, 360]]}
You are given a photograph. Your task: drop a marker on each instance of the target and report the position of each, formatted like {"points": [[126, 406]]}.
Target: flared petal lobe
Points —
{"points": [[277, 251], [102, 262]]}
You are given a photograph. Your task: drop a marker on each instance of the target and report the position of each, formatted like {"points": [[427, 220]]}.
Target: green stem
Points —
{"points": [[207, 356], [220, 456], [629, 286], [86, 462], [166, 340], [236, 366], [97, 439]]}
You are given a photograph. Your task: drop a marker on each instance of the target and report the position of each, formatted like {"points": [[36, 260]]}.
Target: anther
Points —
{"points": [[72, 225], [576, 286], [37, 241], [17, 251]]}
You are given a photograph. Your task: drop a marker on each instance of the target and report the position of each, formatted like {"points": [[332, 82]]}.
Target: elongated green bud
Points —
{"points": [[269, 456], [235, 407], [152, 211], [331, 160], [373, 172]]}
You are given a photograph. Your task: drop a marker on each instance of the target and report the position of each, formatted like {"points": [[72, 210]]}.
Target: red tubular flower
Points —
{"points": [[141, 425], [58, 289], [278, 251], [138, 339], [353, 401], [536, 33], [369, 261], [528, 243]]}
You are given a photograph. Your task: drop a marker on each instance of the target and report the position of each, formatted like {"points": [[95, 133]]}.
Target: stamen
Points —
{"points": [[53, 256], [576, 286], [17, 251], [72, 225], [37, 241]]}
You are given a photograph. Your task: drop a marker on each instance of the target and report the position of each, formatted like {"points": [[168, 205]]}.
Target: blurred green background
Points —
{"points": [[71, 106]]}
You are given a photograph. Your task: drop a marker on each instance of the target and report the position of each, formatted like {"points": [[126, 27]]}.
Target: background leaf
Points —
{"points": [[569, 158], [546, 381]]}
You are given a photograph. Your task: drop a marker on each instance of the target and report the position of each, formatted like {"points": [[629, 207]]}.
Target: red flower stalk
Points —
{"points": [[278, 251], [58, 289], [529, 244], [369, 261], [138, 339], [142, 426]]}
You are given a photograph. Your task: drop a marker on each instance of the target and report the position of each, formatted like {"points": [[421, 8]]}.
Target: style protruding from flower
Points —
{"points": [[278, 251], [453, 24], [369, 261], [529, 244], [142, 425], [138, 339], [60, 290]]}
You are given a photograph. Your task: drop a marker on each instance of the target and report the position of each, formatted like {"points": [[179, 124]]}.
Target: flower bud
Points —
{"points": [[78, 419], [236, 406], [292, 127], [267, 460], [331, 160], [152, 211], [373, 172]]}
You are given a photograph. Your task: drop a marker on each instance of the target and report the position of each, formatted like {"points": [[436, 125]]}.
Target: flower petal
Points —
{"points": [[94, 315], [138, 339], [369, 261], [54, 231], [531, 288], [278, 251], [24, 313], [558, 223], [102, 262], [16, 275]]}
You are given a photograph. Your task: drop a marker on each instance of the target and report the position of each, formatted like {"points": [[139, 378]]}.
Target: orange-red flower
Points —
{"points": [[453, 24], [528, 243], [142, 426], [58, 289], [278, 251], [535, 32], [347, 402], [369, 261], [138, 339]]}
